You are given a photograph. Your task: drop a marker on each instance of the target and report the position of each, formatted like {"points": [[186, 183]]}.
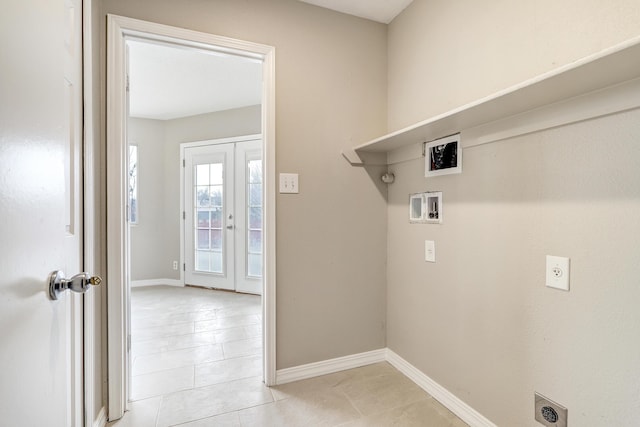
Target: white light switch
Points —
{"points": [[430, 251], [289, 183], [557, 274]]}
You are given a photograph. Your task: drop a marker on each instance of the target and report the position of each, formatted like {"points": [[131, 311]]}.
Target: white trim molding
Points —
{"points": [[101, 418], [463, 411], [154, 282], [330, 366], [120, 29]]}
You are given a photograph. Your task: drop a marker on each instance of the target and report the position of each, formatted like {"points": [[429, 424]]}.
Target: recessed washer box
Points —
{"points": [[425, 207]]}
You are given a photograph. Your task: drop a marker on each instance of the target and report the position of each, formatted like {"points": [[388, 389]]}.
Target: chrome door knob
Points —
{"points": [[79, 283]]}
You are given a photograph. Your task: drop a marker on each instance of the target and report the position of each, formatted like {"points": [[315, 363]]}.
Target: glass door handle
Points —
{"points": [[79, 283]]}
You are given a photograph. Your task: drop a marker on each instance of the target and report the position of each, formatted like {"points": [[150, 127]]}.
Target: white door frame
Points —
{"points": [[94, 411], [118, 29]]}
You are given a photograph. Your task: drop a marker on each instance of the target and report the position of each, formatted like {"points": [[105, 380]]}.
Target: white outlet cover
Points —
{"points": [[430, 251], [557, 272]]}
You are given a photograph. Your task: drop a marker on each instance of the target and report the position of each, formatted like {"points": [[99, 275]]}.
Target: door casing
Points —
{"points": [[119, 29]]}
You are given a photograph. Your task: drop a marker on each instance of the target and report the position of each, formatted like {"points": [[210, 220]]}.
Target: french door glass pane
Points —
{"points": [[203, 239], [209, 205], [203, 218], [255, 194], [254, 223], [216, 218], [255, 241], [255, 218], [254, 265]]}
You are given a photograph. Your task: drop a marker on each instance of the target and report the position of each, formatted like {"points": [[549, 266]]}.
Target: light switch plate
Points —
{"points": [[557, 273], [289, 183], [430, 251]]}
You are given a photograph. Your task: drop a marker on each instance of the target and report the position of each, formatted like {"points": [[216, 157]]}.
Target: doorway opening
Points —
{"points": [[126, 206]]}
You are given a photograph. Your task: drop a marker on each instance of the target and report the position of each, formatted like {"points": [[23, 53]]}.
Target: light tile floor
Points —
{"points": [[197, 363]]}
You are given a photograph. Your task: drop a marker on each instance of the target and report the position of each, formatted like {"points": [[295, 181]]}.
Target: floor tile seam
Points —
{"points": [[165, 313], [190, 333], [173, 367], [134, 329], [232, 343], [170, 322], [163, 370], [211, 385], [221, 382], [240, 339], [242, 325], [224, 360], [346, 396], [158, 410], [204, 418], [393, 408], [170, 310], [178, 349], [226, 328], [235, 315], [170, 353], [193, 346], [161, 394]]}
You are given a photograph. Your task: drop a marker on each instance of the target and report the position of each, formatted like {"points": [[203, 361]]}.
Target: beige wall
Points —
{"points": [[330, 94], [148, 237], [480, 321], [155, 240], [444, 54]]}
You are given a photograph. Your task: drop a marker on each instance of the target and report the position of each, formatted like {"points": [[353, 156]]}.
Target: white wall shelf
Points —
{"points": [[583, 79]]}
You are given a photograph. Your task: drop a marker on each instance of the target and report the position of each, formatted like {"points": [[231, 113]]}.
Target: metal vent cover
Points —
{"points": [[549, 413]]}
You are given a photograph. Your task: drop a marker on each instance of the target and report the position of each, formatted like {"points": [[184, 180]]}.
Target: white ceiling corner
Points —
{"points": [[376, 10]]}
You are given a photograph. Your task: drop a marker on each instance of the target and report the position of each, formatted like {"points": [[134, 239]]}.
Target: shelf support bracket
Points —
{"points": [[352, 157]]}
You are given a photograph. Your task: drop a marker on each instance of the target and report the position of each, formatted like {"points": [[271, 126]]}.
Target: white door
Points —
{"points": [[209, 219], [40, 200], [249, 233], [223, 216]]}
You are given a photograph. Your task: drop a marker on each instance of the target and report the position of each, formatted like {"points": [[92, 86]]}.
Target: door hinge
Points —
{"points": [[184, 163], [128, 343], [184, 267], [127, 83], [184, 215]]}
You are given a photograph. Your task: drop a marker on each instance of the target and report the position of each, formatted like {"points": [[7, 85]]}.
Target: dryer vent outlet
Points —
{"points": [[549, 413]]}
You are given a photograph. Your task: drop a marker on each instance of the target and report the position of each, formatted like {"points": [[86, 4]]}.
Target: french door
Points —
{"points": [[223, 227]]}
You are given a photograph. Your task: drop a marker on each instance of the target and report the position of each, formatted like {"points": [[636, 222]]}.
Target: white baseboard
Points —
{"points": [[463, 411], [152, 282], [101, 418], [441, 394], [330, 366]]}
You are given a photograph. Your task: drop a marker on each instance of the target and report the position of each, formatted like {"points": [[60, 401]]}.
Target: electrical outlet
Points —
{"points": [[557, 274], [549, 413], [175, 265]]}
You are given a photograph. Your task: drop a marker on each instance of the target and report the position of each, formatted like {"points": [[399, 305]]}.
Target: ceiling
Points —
{"points": [[168, 82], [376, 10]]}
